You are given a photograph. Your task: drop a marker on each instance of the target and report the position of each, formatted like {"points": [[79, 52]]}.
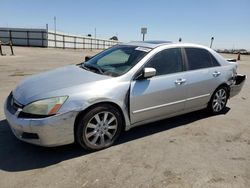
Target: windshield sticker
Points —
{"points": [[143, 49]]}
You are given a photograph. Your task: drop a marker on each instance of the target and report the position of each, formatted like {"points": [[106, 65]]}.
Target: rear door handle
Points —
{"points": [[180, 81], [216, 74]]}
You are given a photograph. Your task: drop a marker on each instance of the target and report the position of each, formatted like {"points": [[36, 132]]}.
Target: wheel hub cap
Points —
{"points": [[219, 100], [101, 128]]}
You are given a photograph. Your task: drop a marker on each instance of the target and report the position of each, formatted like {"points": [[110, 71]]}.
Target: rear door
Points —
{"points": [[163, 94], [203, 77]]}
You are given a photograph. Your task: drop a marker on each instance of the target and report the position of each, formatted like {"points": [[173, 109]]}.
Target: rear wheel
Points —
{"points": [[99, 127], [218, 100]]}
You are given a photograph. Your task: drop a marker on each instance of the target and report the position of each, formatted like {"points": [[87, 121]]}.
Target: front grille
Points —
{"points": [[16, 105]]}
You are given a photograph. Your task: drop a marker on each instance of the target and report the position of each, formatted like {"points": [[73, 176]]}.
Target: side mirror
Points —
{"points": [[87, 58], [148, 72]]}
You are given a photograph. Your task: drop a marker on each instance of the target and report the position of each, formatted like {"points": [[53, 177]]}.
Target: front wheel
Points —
{"points": [[99, 127], [218, 100]]}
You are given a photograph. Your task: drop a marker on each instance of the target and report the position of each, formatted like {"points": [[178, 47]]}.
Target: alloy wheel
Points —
{"points": [[101, 129], [219, 100]]}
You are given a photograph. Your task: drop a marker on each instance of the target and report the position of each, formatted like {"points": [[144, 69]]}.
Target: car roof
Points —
{"points": [[148, 44], [154, 44]]}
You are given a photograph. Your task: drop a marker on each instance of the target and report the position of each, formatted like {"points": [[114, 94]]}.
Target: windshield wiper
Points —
{"points": [[92, 67]]}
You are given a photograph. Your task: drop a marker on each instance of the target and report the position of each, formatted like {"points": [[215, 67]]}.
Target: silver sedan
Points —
{"points": [[122, 87]]}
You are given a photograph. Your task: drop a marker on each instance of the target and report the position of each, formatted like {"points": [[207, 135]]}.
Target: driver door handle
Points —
{"points": [[180, 81]]}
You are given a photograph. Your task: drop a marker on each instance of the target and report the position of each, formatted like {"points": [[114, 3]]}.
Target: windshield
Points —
{"points": [[116, 61]]}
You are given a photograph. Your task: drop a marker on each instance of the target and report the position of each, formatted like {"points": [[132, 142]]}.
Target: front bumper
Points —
{"points": [[50, 131]]}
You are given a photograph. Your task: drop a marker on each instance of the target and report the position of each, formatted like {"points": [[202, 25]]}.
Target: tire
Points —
{"points": [[218, 101], [99, 128]]}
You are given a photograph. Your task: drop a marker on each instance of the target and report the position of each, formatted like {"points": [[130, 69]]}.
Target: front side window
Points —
{"points": [[167, 61], [198, 58], [116, 60]]}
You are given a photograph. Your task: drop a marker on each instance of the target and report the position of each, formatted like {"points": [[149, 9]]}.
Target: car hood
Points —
{"points": [[53, 80]]}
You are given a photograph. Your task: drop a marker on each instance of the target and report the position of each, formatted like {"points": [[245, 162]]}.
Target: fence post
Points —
{"points": [[10, 33], [55, 39], [74, 42], [91, 44], [11, 47], [28, 39], [42, 39], [63, 42]]}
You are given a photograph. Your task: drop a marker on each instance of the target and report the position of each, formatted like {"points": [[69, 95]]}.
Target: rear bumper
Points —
{"points": [[51, 131], [238, 84]]}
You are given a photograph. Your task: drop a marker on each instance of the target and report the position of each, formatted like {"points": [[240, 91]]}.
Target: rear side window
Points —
{"points": [[198, 58], [214, 61], [167, 61]]}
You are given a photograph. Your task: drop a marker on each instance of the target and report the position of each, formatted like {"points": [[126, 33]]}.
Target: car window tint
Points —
{"points": [[214, 61], [116, 57], [198, 58], [167, 61], [116, 60]]}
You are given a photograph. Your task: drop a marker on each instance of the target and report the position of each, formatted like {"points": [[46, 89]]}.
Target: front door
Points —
{"points": [[163, 94]]}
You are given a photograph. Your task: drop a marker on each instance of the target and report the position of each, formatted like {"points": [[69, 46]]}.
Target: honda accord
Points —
{"points": [[122, 87]]}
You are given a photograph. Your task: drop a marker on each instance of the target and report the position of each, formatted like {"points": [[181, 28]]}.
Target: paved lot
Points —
{"points": [[193, 150]]}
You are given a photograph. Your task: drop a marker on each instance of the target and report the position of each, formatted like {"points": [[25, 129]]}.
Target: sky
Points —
{"points": [[195, 21]]}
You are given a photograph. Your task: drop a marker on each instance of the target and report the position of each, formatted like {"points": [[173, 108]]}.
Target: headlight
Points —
{"points": [[46, 106]]}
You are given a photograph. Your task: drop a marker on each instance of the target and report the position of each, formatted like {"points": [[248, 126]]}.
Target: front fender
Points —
{"points": [[116, 93]]}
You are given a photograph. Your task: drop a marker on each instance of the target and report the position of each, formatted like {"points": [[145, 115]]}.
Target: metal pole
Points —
{"points": [[11, 48], [91, 44], [28, 39], [55, 24], [95, 33], [55, 29], [211, 44], [143, 32], [74, 42], [10, 35], [46, 36], [63, 42], [42, 39]]}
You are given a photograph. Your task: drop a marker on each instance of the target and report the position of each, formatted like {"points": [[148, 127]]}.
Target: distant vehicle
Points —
{"points": [[122, 87], [114, 38]]}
